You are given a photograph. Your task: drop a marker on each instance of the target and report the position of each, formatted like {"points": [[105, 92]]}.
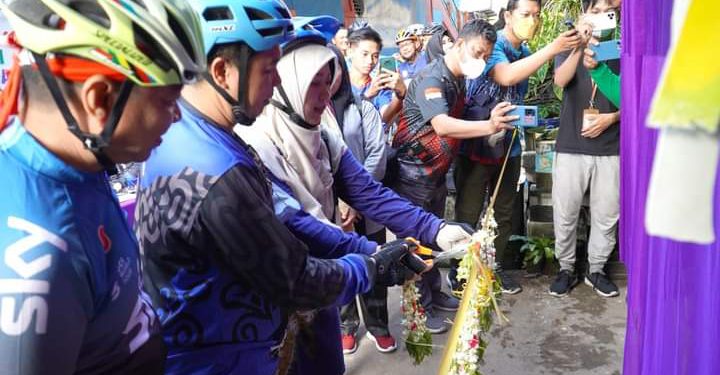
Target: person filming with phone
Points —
{"points": [[506, 78], [386, 90], [428, 134], [587, 159]]}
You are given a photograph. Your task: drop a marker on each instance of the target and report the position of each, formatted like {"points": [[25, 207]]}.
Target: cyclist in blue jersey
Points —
{"points": [[95, 84], [221, 267], [413, 57]]}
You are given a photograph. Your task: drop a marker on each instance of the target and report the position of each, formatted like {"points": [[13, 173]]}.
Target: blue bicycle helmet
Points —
{"points": [[261, 24], [317, 29], [327, 25], [254, 26]]}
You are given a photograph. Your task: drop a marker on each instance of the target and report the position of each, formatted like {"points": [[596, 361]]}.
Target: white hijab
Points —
{"points": [[308, 167]]}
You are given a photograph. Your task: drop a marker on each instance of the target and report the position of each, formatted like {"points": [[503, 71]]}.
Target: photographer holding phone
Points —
{"points": [[428, 134], [364, 53], [480, 160], [587, 158]]}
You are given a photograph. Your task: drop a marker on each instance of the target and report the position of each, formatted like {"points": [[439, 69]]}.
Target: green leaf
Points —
{"points": [[550, 253], [537, 258], [419, 348], [515, 237]]}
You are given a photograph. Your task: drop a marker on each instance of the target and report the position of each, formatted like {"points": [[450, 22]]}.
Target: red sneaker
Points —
{"points": [[349, 344], [384, 344]]}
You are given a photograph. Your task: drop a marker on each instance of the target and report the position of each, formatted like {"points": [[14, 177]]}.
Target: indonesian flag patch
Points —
{"points": [[433, 93]]}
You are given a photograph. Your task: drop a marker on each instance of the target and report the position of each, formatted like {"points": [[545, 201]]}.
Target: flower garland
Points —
{"points": [[480, 296], [418, 340]]}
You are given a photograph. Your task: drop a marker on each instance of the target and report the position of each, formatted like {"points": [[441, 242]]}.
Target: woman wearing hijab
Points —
{"points": [[314, 161]]}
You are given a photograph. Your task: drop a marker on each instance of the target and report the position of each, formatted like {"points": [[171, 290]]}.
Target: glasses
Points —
{"points": [[406, 43]]}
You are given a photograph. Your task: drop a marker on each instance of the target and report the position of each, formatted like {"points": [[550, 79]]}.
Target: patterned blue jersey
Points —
{"points": [[220, 266], [71, 297]]}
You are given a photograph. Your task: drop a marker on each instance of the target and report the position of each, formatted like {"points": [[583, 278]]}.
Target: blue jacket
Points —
{"points": [[322, 353], [220, 267], [358, 188]]}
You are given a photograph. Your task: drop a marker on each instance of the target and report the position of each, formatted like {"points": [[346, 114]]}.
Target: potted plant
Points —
{"points": [[538, 254]]}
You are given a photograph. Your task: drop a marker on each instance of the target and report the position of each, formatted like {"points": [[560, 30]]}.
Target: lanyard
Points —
{"points": [[594, 92]]}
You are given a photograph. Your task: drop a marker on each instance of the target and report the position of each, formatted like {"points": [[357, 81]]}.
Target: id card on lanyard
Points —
{"points": [[590, 113]]}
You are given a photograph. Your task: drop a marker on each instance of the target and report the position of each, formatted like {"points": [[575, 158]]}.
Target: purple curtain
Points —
{"points": [[673, 322]]}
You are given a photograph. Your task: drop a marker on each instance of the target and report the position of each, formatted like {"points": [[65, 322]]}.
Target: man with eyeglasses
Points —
{"points": [[410, 52]]}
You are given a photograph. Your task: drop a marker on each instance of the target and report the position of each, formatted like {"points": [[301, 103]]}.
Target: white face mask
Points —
{"points": [[472, 67]]}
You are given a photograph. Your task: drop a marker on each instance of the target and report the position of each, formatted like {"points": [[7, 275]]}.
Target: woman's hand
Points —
{"points": [[348, 218]]}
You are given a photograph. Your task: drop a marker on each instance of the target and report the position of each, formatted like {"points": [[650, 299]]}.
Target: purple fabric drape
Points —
{"points": [[673, 322]]}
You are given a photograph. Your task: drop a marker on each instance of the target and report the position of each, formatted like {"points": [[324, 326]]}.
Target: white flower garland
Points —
{"points": [[482, 294], [418, 340]]}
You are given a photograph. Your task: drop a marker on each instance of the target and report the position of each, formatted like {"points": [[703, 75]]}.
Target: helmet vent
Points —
{"points": [[271, 31], [93, 11], [257, 14], [55, 22], [144, 42], [222, 13], [283, 12], [182, 35]]}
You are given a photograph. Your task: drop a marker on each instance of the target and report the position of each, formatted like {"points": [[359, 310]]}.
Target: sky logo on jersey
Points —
{"points": [[25, 295], [104, 239], [433, 93]]}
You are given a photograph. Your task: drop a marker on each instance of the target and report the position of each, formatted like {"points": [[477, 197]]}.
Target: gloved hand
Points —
{"points": [[452, 236], [388, 265]]}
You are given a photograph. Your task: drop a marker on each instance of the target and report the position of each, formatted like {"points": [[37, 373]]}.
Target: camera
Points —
{"points": [[528, 116]]}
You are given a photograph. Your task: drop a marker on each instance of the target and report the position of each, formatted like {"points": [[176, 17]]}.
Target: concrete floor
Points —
{"points": [[581, 334]]}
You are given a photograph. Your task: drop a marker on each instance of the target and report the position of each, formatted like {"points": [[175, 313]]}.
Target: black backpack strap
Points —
{"points": [[326, 141]]}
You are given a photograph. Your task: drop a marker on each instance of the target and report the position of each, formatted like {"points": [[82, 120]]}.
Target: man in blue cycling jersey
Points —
{"points": [[84, 94], [222, 269]]}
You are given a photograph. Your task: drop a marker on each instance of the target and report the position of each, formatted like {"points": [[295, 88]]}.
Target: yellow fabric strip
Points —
{"points": [[688, 95]]}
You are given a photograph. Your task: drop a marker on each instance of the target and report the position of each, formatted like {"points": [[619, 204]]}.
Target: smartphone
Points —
{"points": [[528, 116], [605, 51], [569, 24], [604, 24], [387, 63]]}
